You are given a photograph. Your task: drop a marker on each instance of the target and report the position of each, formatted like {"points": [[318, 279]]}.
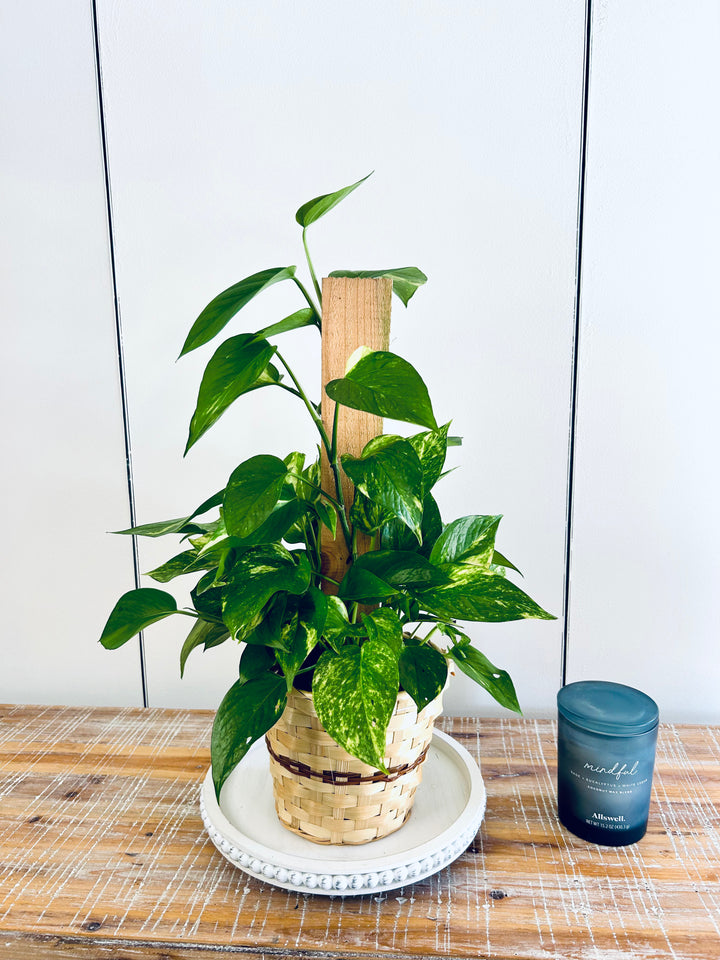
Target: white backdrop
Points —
{"points": [[220, 122], [647, 516]]}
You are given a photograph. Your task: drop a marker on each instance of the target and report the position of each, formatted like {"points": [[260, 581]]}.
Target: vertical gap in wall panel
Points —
{"points": [[118, 337], [576, 335]]}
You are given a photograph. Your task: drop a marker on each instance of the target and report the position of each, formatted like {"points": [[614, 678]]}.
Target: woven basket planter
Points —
{"points": [[327, 796]]}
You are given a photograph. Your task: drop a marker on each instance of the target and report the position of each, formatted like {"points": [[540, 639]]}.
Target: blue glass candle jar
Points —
{"points": [[607, 734]]}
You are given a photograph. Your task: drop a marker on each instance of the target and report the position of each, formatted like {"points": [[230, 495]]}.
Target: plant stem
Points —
{"points": [[313, 306], [329, 579], [332, 455], [310, 266], [347, 533], [284, 386], [323, 493], [312, 542], [336, 417], [309, 405]]}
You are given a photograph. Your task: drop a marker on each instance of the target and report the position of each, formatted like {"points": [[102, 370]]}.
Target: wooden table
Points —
{"points": [[103, 854]]}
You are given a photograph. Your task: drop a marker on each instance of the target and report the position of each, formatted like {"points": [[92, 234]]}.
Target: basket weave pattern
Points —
{"points": [[309, 803]]}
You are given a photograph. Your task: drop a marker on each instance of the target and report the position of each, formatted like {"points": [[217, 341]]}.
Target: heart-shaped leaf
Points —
{"points": [[384, 384], [467, 540], [431, 448], [247, 711], [133, 612], [224, 307], [254, 662], [405, 280], [423, 672], [389, 474], [276, 624], [311, 616], [396, 536], [327, 515], [283, 517], [363, 586], [396, 569], [251, 494], [239, 365], [370, 517], [337, 624], [354, 692], [474, 594], [258, 574], [384, 625], [314, 209], [477, 666], [203, 634]]}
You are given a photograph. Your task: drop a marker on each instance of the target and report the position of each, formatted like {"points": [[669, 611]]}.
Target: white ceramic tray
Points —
{"points": [[449, 808]]}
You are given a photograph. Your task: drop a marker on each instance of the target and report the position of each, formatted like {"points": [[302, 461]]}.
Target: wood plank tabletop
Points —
{"points": [[103, 854]]}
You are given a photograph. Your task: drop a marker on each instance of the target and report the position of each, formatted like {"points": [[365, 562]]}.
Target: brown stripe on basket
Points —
{"points": [[337, 777]]}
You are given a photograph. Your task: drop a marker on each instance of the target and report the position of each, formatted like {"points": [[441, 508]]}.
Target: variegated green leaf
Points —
{"points": [[467, 540], [310, 622], [251, 494], [337, 624], [382, 383], [354, 694], [431, 448], [273, 629], [247, 711], [364, 586], [369, 517], [473, 594], [383, 573], [502, 561], [397, 536], [390, 475], [384, 624], [177, 566], [257, 575], [423, 672]]}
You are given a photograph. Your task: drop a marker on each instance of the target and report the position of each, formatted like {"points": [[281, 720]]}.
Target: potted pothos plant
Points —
{"points": [[394, 621]]}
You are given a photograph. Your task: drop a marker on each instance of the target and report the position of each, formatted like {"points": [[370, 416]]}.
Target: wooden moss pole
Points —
{"points": [[355, 313]]}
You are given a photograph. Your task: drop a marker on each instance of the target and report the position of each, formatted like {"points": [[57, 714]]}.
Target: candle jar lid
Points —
{"points": [[610, 708]]}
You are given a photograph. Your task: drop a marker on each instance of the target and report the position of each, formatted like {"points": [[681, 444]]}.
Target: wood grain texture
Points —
{"points": [[356, 313], [103, 854]]}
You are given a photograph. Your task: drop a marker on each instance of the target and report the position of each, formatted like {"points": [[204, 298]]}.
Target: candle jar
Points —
{"points": [[606, 753]]}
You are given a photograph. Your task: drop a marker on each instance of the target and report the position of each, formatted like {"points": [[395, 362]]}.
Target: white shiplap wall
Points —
{"points": [[645, 560], [220, 122], [63, 458]]}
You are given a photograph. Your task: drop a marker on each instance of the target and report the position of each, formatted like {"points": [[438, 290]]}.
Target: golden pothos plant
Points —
{"points": [[256, 544]]}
